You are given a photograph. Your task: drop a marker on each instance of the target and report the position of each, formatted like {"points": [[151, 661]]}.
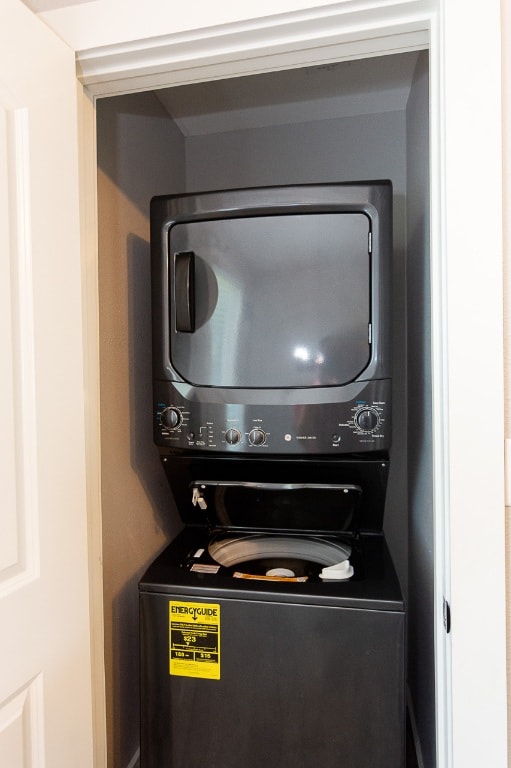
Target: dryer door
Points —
{"points": [[271, 301]]}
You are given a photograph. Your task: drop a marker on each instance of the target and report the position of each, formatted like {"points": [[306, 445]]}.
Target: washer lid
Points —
{"points": [[305, 494], [272, 506]]}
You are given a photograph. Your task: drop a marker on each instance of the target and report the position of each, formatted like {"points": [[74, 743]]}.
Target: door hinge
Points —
{"points": [[447, 616]]}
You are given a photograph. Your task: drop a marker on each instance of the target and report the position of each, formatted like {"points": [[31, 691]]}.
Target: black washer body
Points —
{"points": [[311, 674]]}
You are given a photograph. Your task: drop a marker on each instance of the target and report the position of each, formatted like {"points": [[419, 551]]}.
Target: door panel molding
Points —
{"points": [[19, 562], [21, 735]]}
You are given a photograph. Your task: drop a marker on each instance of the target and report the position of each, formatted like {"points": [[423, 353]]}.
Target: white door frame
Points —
{"points": [[466, 270]]}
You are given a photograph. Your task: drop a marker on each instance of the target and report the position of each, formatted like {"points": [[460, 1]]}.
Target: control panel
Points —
{"points": [[360, 424]]}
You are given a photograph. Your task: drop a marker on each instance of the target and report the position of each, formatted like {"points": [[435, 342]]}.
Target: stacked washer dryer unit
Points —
{"points": [[273, 626]]}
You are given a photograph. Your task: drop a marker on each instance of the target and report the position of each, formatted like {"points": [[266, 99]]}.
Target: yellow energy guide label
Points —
{"points": [[194, 639]]}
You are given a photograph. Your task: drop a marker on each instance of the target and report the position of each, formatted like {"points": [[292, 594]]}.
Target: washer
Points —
{"points": [[241, 668]]}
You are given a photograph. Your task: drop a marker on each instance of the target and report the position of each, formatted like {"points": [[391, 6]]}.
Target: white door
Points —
{"points": [[45, 668]]}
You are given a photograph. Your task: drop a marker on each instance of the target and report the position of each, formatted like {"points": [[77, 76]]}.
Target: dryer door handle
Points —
{"points": [[184, 291]]}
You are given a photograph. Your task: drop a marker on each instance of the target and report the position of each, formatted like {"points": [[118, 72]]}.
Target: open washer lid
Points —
{"points": [[236, 505], [313, 496]]}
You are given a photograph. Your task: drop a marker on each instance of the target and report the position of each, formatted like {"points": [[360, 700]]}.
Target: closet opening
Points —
{"points": [[361, 119]]}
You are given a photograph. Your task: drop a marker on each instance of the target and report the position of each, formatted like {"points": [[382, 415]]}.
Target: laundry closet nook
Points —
{"points": [[355, 120]]}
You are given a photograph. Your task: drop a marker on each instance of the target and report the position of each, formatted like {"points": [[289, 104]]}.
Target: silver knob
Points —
{"points": [[233, 436], [171, 418], [257, 436]]}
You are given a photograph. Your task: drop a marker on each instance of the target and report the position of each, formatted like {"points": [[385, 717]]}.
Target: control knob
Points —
{"points": [[367, 419], [257, 436], [171, 418], [233, 436]]}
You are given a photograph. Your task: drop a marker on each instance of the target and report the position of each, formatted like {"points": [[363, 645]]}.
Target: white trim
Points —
{"points": [[440, 405], [90, 284], [472, 247], [343, 31], [162, 75]]}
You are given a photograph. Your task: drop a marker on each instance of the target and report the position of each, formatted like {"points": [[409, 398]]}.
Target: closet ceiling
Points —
{"points": [[341, 89]]}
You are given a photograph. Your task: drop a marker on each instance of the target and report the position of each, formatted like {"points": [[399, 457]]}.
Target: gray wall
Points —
{"points": [[343, 149], [421, 651], [140, 153]]}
